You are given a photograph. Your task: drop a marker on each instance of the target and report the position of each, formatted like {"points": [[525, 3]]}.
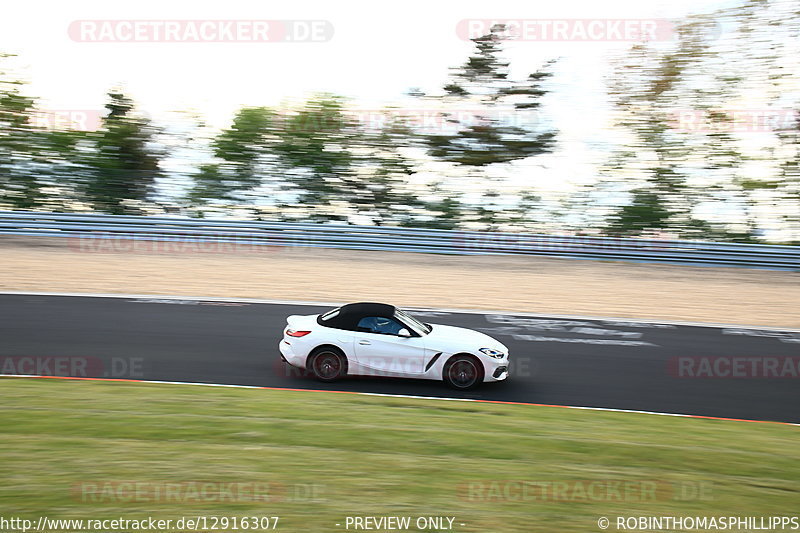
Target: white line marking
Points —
{"points": [[185, 302], [654, 325], [607, 332], [565, 326], [408, 396], [612, 342], [782, 336], [643, 322]]}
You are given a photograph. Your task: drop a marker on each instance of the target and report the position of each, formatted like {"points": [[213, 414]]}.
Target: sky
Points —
{"points": [[377, 52]]}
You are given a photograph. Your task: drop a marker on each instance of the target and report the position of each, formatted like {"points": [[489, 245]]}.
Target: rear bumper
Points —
{"points": [[289, 356]]}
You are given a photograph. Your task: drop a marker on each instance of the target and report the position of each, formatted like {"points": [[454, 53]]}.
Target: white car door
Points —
{"points": [[381, 351]]}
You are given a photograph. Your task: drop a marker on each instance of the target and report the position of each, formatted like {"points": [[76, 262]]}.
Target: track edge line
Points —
{"points": [[408, 396]]}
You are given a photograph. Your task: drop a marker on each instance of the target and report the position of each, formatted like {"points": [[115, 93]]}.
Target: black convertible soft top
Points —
{"points": [[349, 315]]}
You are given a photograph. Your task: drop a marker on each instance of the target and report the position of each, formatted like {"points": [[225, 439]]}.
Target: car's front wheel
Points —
{"points": [[463, 372], [328, 364]]}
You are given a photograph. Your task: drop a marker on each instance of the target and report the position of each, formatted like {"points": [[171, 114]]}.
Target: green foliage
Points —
{"points": [[646, 211], [123, 163], [500, 129], [316, 161], [18, 185], [334, 166], [483, 83], [646, 90], [245, 155], [24, 149], [317, 145], [671, 170], [788, 183]]}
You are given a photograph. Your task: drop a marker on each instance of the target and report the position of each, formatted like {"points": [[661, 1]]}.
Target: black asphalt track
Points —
{"points": [[697, 370]]}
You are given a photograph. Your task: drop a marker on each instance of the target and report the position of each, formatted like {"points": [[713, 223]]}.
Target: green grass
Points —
{"points": [[373, 456]]}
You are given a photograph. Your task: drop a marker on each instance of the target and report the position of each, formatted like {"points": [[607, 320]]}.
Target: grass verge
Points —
{"points": [[69, 448]]}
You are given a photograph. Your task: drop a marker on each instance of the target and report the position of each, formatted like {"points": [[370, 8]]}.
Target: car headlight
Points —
{"points": [[492, 353]]}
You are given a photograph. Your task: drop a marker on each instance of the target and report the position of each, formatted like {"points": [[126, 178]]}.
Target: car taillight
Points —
{"points": [[295, 333]]}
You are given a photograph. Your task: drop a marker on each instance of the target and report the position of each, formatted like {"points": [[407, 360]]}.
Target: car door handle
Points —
{"points": [[364, 342]]}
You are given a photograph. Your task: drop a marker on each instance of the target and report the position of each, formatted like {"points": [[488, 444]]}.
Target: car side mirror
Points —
{"points": [[404, 333]]}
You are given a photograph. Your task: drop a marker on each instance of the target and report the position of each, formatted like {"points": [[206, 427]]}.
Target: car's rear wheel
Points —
{"points": [[328, 364], [463, 372]]}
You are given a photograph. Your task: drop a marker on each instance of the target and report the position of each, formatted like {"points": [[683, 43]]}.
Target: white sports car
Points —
{"points": [[372, 339]]}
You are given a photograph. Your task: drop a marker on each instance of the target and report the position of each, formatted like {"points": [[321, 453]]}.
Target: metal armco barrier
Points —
{"points": [[91, 227]]}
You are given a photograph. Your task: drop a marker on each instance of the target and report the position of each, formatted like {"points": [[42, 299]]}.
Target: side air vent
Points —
{"points": [[433, 360]]}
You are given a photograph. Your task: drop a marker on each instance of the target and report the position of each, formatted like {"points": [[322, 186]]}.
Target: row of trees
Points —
{"points": [[712, 124], [318, 161], [106, 169], [322, 157]]}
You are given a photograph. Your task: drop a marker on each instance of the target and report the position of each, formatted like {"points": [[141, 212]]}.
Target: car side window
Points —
{"points": [[381, 325]]}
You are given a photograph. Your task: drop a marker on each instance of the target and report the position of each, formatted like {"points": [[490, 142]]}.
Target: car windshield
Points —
{"points": [[422, 329]]}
